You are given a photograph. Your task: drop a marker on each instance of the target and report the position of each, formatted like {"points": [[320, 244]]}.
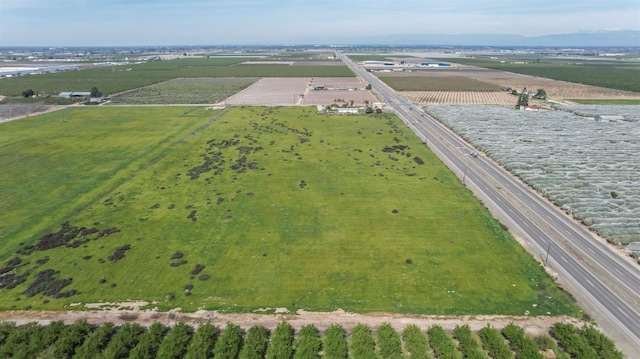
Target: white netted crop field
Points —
{"points": [[590, 169]]}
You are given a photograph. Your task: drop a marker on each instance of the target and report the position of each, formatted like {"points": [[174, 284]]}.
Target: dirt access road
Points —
{"points": [[532, 325]]}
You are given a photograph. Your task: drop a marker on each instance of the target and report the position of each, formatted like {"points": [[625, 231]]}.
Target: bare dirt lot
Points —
{"points": [[17, 111], [299, 91], [556, 90]]}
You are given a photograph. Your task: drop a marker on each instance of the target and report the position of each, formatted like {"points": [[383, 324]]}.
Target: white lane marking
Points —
{"points": [[561, 257], [588, 281], [591, 250], [618, 270], [623, 312]]}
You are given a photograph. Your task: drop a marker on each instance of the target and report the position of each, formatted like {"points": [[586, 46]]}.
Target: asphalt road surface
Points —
{"points": [[604, 284]]}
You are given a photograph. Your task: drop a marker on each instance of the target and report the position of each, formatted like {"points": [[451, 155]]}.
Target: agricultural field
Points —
{"points": [[249, 209], [461, 97], [619, 75], [83, 340], [207, 90], [115, 79], [448, 89], [556, 90], [588, 168], [438, 83]]}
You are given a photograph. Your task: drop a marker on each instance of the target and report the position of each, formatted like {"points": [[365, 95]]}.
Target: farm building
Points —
{"points": [[435, 64], [534, 108], [377, 63], [74, 94], [609, 118], [347, 111]]}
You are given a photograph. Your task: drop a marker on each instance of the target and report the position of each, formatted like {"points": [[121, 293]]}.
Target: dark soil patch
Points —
{"points": [[203, 277], [9, 279], [198, 268], [192, 216], [46, 284], [178, 263], [128, 317], [177, 255], [418, 160], [119, 253], [188, 287]]}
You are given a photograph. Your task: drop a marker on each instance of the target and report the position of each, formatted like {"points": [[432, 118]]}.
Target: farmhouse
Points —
{"points": [[435, 64], [534, 108], [347, 111], [74, 94]]}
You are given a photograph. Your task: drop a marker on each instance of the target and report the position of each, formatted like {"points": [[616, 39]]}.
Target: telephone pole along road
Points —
{"points": [[604, 284]]}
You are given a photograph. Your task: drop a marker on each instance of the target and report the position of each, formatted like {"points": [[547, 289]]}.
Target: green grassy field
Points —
{"points": [[267, 207], [440, 83], [621, 76], [186, 91], [114, 79]]}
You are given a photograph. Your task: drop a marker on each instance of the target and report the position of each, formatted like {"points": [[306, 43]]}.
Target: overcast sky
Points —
{"points": [[221, 22]]}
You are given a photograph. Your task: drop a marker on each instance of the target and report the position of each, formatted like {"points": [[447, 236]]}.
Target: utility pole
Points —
{"points": [[547, 257]]}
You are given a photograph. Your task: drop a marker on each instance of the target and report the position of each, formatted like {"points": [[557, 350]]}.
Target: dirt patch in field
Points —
{"points": [[9, 112], [299, 91]]}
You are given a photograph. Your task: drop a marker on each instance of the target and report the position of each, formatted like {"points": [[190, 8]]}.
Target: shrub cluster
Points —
{"points": [[522, 345], [415, 342], [572, 342], [443, 346], [362, 344], [494, 343], [467, 344]]}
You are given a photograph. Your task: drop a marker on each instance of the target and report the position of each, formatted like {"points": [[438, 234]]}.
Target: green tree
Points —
{"points": [[149, 342], [201, 346], [308, 343], [27, 93], [255, 343], [175, 343], [523, 99], [541, 94], [335, 343], [229, 343], [281, 346], [362, 344], [95, 92]]}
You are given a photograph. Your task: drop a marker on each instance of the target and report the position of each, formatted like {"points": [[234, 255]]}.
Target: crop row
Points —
{"points": [[83, 340], [461, 97], [185, 91]]}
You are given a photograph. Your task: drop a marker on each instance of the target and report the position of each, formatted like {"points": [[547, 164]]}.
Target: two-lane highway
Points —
{"points": [[606, 285]]}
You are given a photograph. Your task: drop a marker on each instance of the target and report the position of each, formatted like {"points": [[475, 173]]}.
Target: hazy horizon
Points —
{"points": [[191, 22]]}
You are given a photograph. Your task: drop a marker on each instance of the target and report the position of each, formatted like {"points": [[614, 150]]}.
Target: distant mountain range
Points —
{"points": [[614, 38]]}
